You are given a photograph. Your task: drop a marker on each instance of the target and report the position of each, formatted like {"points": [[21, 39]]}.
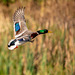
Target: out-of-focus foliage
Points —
{"points": [[50, 54], [6, 2]]}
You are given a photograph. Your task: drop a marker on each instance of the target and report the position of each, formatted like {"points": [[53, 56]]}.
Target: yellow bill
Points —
{"points": [[50, 32]]}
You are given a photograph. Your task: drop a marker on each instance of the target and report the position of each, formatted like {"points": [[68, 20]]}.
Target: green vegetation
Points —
{"points": [[50, 54]]}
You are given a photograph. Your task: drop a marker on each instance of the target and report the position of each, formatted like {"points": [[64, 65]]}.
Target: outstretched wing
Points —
{"points": [[19, 22]]}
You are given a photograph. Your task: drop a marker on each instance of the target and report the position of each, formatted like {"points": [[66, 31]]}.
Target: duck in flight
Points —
{"points": [[22, 33]]}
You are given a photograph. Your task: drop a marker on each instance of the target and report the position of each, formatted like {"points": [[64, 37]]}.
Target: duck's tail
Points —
{"points": [[44, 31]]}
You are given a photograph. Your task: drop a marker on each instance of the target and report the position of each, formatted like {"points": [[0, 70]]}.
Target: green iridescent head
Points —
{"points": [[43, 31]]}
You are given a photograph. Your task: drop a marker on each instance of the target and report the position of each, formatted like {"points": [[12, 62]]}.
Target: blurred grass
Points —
{"points": [[50, 54]]}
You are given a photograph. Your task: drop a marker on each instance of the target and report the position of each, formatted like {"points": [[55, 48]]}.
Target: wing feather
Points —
{"points": [[19, 22], [19, 15]]}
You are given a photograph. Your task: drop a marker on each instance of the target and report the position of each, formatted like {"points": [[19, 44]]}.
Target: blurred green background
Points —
{"points": [[50, 54]]}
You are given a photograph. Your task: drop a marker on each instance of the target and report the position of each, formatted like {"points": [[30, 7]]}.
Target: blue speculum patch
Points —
{"points": [[17, 27], [21, 39]]}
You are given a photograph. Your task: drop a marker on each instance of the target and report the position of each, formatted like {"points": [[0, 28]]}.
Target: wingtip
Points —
{"points": [[21, 8], [18, 10]]}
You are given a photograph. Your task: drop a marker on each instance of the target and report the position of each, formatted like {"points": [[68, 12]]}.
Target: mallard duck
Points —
{"points": [[22, 34]]}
